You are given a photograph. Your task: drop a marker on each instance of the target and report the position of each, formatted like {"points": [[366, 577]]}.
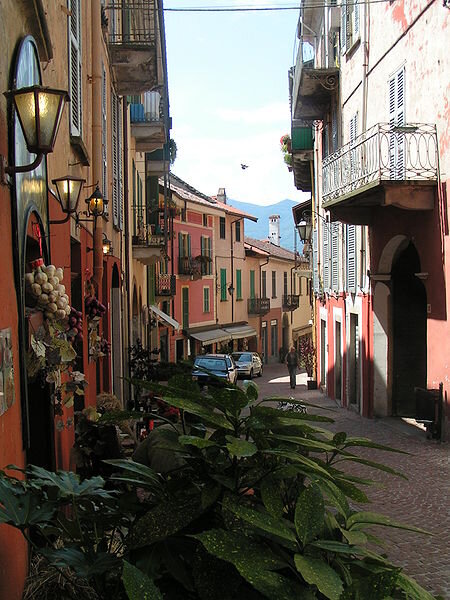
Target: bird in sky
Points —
{"points": [[243, 167]]}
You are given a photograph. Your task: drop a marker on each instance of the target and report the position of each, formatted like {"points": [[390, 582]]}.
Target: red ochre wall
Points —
{"points": [[13, 550]]}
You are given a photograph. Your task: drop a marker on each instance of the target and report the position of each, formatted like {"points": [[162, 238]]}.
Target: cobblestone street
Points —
{"points": [[422, 500]]}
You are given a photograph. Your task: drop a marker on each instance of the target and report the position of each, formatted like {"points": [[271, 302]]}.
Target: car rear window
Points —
{"points": [[211, 364], [246, 357]]}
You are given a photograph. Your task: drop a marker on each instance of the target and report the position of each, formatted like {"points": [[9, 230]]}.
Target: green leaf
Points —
{"points": [[165, 520], [370, 463], [317, 572], [334, 495], [22, 507], [412, 589], [339, 438], [85, 565], [371, 518], [283, 417], [240, 448], [143, 475], [309, 514], [68, 483], [351, 491], [271, 497], [307, 443], [366, 443], [66, 350], [210, 494], [354, 537], [138, 586], [201, 410], [261, 521], [307, 463], [192, 440], [337, 547], [255, 562]]}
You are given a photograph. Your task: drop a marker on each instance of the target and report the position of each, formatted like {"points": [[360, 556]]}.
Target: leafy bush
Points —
{"points": [[307, 354], [260, 502]]}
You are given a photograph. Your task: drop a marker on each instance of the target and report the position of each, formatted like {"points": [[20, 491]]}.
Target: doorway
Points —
{"points": [[337, 361], [116, 334], [323, 350], [353, 362], [409, 311]]}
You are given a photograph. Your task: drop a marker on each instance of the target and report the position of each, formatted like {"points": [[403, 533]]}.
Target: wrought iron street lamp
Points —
{"points": [[68, 190]]}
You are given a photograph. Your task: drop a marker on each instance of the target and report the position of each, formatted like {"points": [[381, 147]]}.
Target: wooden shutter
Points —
{"points": [[355, 32], [326, 256], [185, 307], [75, 67], [238, 284], [335, 256], [209, 254], [252, 284], [206, 299], [344, 26], [315, 262], [351, 258], [120, 162], [180, 245], [396, 118], [104, 137], [223, 284], [115, 160], [189, 245]]}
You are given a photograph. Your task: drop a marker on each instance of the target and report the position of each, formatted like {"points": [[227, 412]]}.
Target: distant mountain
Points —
{"points": [[260, 230]]}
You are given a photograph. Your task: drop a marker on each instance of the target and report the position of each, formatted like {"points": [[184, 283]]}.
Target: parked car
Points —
{"points": [[209, 367], [248, 364]]}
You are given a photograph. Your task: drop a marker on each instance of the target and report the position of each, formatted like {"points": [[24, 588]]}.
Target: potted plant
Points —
{"points": [[307, 353], [286, 149]]}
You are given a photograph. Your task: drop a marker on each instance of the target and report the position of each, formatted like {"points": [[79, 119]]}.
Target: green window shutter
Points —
{"points": [[185, 307], [223, 284], [238, 284], [252, 284], [189, 244], [180, 245], [206, 300], [151, 278]]}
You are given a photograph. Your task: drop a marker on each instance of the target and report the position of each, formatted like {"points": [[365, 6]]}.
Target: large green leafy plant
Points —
{"points": [[257, 506]]}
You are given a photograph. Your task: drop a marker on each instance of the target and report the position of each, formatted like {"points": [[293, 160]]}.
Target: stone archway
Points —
{"points": [[399, 329]]}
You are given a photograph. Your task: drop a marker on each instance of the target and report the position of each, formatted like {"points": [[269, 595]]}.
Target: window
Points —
{"points": [[206, 299], [238, 231], [285, 283], [326, 255], [184, 244], [349, 25], [397, 117], [185, 307], [335, 256], [205, 220], [263, 284], [223, 285], [351, 258], [274, 284], [116, 147], [222, 228], [238, 284], [183, 214], [274, 338], [75, 78], [252, 284], [206, 252]]}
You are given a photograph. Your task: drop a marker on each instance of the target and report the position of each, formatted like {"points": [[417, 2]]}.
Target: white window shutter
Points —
{"points": [[351, 258], [326, 256], [115, 160], [75, 67], [315, 261], [335, 256], [355, 32], [120, 161], [104, 137], [344, 26], [397, 117]]}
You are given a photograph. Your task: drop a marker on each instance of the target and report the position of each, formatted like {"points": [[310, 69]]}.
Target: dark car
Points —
{"points": [[248, 364], [209, 367]]}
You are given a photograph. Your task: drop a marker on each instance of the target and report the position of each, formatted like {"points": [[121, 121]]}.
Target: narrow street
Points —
{"points": [[422, 500]]}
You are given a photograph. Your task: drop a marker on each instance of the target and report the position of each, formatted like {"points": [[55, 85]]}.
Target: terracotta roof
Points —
{"points": [[231, 210], [271, 249], [186, 192], [254, 250]]}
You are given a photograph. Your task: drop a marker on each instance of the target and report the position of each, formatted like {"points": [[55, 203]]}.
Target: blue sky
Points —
{"points": [[228, 88]]}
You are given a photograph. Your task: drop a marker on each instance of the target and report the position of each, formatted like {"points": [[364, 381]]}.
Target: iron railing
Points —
{"points": [[166, 285], [258, 306], [291, 301], [382, 153], [149, 229], [132, 22], [148, 111]]}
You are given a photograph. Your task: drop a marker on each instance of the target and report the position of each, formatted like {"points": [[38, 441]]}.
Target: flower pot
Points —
{"points": [[311, 384]]}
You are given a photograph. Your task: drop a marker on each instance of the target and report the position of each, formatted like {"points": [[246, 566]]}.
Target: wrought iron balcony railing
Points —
{"points": [[258, 306], [132, 22], [290, 301], [146, 233], [383, 153], [166, 285]]}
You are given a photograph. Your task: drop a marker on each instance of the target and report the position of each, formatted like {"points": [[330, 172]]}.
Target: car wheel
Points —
{"points": [[251, 374], [260, 372]]}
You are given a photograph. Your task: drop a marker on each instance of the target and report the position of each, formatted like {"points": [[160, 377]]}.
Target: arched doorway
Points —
{"points": [[116, 334], [409, 330]]}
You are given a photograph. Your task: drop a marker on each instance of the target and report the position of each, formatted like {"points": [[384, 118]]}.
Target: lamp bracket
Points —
{"points": [[6, 170]]}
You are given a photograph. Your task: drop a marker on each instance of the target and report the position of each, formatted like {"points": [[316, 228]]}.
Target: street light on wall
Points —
{"points": [[231, 289], [304, 226], [68, 190], [96, 206], [39, 110], [107, 245]]}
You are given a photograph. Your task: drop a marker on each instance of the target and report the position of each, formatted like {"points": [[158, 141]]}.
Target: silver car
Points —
{"points": [[248, 364]]}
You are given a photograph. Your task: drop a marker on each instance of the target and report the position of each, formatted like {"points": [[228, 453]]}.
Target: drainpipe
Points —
{"points": [[232, 265], [266, 358], [97, 137], [126, 323]]}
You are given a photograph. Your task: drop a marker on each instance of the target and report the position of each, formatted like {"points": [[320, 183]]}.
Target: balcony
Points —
{"points": [[385, 166], [258, 306], [134, 45], [165, 286], [147, 123], [302, 155], [290, 301], [149, 238], [313, 85], [157, 162], [189, 266]]}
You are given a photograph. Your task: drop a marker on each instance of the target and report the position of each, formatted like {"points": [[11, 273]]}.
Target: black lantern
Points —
{"points": [[304, 228], [106, 245], [96, 203], [68, 190]]}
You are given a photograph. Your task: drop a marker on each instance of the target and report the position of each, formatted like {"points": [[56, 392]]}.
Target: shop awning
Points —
{"points": [[240, 331], [164, 317], [299, 331], [211, 336]]}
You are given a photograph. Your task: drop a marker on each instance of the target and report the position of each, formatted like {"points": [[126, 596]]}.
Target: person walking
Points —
{"points": [[292, 361]]}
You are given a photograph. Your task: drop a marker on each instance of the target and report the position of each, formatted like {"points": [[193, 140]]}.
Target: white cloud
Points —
{"points": [[277, 112]]}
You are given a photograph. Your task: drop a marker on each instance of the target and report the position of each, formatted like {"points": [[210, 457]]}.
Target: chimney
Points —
{"points": [[222, 195], [274, 229]]}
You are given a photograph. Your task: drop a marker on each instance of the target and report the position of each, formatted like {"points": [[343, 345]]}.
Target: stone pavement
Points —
{"points": [[423, 500]]}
